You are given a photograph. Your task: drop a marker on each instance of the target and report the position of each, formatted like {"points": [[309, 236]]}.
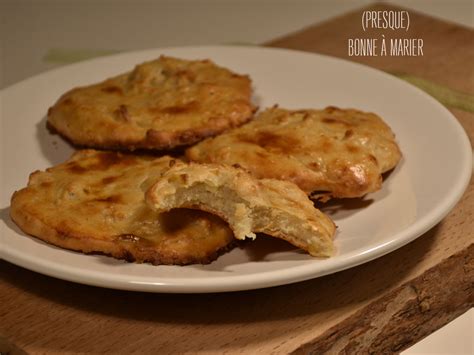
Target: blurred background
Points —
{"points": [[36, 35]]}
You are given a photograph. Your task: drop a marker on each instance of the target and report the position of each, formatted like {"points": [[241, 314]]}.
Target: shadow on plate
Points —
{"points": [[5, 217], [263, 249], [343, 207], [57, 149], [264, 246], [53, 147]]}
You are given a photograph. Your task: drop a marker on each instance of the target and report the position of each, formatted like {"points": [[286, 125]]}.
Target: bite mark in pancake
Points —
{"points": [[95, 203], [277, 208]]}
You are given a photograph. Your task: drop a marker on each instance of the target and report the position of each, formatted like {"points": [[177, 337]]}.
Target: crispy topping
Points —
{"points": [[112, 89], [122, 113]]}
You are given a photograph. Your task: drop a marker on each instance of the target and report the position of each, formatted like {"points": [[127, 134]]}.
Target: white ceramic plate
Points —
{"points": [[428, 182]]}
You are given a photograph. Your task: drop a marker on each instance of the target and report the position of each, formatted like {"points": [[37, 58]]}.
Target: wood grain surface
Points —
{"points": [[382, 306], [448, 48]]}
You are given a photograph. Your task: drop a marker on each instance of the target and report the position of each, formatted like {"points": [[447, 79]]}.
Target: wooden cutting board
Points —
{"points": [[382, 306]]}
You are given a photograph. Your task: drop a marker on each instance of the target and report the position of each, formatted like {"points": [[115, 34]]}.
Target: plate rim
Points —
{"points": [[261, 279]]}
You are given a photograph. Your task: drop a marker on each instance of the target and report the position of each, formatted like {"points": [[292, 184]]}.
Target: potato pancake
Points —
{"points": [[161, 104], [95, 203], [327, 153]]}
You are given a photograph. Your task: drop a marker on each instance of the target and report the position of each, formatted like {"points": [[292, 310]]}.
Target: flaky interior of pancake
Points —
{"points": [[276, 208]]}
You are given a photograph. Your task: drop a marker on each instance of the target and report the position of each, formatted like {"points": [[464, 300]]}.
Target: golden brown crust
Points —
{"points": [[331, 152], [94, 203], [277, 208], [161, 104]]}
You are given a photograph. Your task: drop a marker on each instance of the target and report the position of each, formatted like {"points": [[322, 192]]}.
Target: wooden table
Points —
{"points": [[382, 306]]}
